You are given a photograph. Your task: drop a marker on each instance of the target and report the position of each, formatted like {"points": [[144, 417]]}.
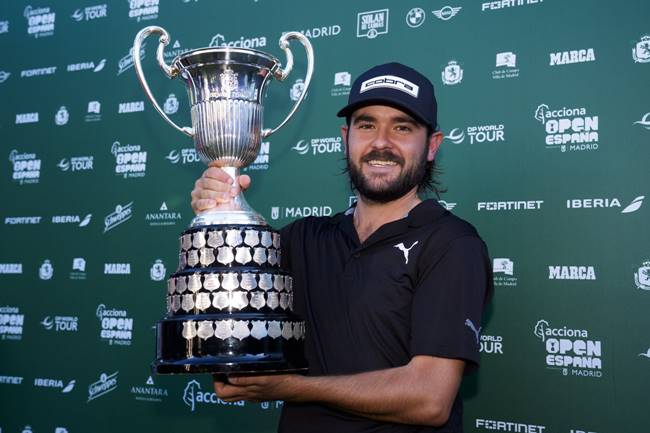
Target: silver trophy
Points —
{"points": [[229, 304]]}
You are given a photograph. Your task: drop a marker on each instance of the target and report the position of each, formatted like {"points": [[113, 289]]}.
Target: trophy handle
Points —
{"points": [[170, 71], [281, 74]]}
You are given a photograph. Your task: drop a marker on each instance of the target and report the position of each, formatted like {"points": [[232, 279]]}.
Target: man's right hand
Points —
{"points": [[216, 186]]}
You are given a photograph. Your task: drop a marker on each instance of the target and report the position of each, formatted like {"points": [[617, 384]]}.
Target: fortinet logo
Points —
{"points": [[505, 4], [28, 73], [509, 205], [117, 268], [508, 426], [573, 56], [22, 220], [604, 203], [571, 273]]}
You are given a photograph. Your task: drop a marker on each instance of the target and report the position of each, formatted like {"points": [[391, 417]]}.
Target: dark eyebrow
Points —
{"points": [[363, 118], [406, 119]]}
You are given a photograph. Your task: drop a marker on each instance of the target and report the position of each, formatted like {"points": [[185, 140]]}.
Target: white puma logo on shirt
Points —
{"points": [[471, 326], [405, 250]]}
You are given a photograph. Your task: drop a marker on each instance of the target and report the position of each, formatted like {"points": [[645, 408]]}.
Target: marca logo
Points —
{"points": [[11, 380], [570, 350], [157, 271], [4, 75], [126, 62], [117, 268], [571, 273], [508, 426], [105, 384], [568, 128], [72, 219], [644, 122], [90, 13], [61, 323], [478, 134], [415, 17], [504, 4], [447, 12], [503, 270], [11, 323], [54, 383], [148, 392], [86, 66], [119, 216], [192, 396], [509, 205], [641, 51], [262, 161], [184, 156], [130, 107], [38, 72], [573, 56], [22, 220], [642, 276], [371, 24], [219, 40], [76, 163], [26, 118], [300, 212], [321, 32], [491, 344], [141, 10], [40, 21], [452, 73], [116, 327], [130, 160], [26, 167], [506, 64], [11, 268], [603, 203], [164, 217], [319, 146]]}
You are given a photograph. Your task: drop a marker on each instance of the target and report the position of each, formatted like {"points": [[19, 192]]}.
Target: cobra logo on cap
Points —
{"points": [[392, 82]]}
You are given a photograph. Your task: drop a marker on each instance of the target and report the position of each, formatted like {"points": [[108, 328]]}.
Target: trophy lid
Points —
{"points": [[226, 55]]}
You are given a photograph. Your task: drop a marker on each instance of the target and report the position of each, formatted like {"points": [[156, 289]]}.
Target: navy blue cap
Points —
{"points": [[396, 85]]}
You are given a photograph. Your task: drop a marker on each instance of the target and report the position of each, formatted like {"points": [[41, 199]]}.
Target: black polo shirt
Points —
{"points": [[416, 286]]}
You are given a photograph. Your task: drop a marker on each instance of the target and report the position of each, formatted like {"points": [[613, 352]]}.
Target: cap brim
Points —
{"points": [[395, 103]]}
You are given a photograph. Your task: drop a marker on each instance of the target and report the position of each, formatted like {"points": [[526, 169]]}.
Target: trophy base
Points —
{"points": [[222, 368]]}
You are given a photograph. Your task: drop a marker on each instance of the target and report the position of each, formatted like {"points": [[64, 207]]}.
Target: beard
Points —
{"points": [[384, 190]]}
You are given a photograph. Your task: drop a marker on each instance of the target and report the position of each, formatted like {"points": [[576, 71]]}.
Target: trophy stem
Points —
{"points": [[236, 211]]}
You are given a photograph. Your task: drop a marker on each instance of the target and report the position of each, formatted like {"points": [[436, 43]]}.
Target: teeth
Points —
{"points": [[382, 163]]}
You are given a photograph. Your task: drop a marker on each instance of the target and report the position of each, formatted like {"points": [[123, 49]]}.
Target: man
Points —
{"points": [[391, 290]]}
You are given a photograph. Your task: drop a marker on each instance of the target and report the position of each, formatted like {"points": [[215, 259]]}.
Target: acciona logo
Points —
{"points": [[262, 161], [105, 384], [87, 66], [478, 134], [142, 10], [38, 72], [11, 268], [61, 323], [321, 31], [193, 396], [573, 56], [319, 146], [220, 40], [90, 13], [371, 24], [186, 155], [26, 167], [568, 128], [130, 160], [65, 386], [566, 272], [76, 163], [116, 326], [164, 217], [121, 214], [117, 268], [126, 62], [40, 21], [515, 205], [11, 323], [570, 350], [278, 212], [605, 203]]}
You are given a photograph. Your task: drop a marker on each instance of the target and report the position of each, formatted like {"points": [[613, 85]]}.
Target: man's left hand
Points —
{"points": [[258, 388]]}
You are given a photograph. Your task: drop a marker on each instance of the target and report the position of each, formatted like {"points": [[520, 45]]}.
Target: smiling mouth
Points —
{"points": [[381, 163]]}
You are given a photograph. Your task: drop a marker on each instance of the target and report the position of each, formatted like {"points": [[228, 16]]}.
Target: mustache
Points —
{"points": [[383, 155]]}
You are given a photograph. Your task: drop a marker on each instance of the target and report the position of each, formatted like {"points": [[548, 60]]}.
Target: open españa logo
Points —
{"points": [[192, 395]]}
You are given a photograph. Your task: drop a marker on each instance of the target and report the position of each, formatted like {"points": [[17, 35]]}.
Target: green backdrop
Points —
{"points": [[545, 108]]}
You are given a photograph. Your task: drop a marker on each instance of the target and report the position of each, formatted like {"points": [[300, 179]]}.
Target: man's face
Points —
{"points": [[387, 152]]}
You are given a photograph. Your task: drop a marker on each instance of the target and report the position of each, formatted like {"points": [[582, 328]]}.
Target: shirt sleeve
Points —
{"points": [[452, 291]]}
